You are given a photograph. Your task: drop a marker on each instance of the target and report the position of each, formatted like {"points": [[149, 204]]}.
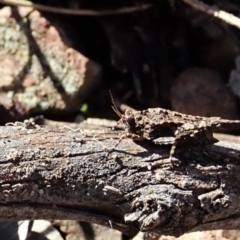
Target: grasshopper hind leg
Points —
{"points": [[190, 135]]}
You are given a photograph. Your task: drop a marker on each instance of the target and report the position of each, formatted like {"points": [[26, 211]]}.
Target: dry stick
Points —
{"points": [[67, 11], [59, 174], [214, 11]]}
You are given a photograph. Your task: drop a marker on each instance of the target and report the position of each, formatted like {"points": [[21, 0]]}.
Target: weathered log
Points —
{"points": [[100, 177]]}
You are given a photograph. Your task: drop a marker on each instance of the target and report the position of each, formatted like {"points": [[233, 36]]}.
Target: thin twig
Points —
{"points": [[214, 11], [68, 11]]}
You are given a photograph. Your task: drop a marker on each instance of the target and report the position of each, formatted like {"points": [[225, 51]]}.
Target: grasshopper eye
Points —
{"points": [[129, 114]]}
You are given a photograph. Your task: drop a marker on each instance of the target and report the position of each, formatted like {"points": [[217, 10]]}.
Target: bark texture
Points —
{"points": [[100, 177]]}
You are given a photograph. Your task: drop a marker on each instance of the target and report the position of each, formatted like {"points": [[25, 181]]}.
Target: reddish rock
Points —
{"points": [[37, 67], [81, 230], [207, 235], [202, 92], [11, 110]]}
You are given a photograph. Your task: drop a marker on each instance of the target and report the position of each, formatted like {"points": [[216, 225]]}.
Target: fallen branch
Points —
{"points": [[80, 12], [215, 12], [75, 174]]}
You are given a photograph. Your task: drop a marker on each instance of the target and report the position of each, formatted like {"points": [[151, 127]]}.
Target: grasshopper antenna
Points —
{"points": [[114, 107]]}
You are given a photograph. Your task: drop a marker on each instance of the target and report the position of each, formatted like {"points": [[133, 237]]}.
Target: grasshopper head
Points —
{"points": [[129, 120]]}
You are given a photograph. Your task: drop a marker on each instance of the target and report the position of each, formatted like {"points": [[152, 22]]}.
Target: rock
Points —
{"points": [[234, 79], [207, 235], [38, 69], [202, 92], [82, 230], [11, 110]]}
